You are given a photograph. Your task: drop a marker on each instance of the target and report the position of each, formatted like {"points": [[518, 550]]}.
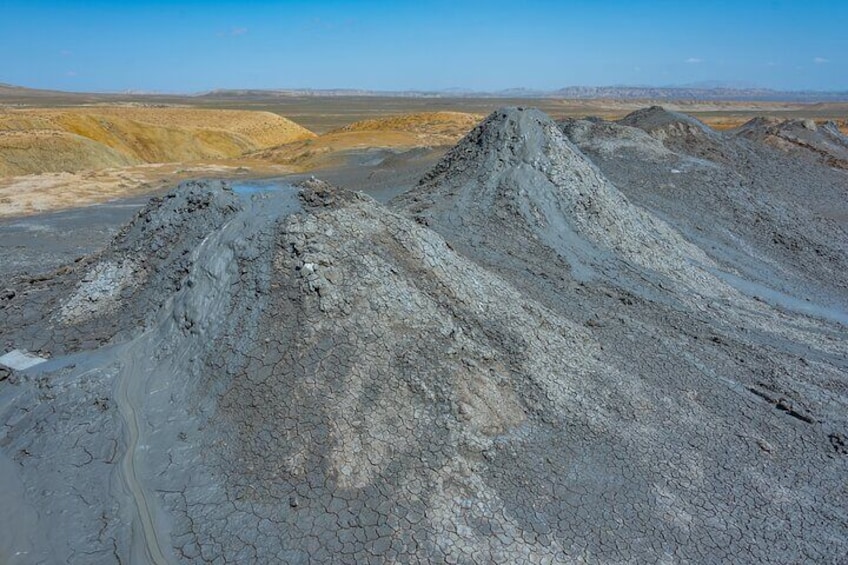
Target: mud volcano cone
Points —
{"points": [[679, 132], [824, 143], [326, 380], [515, 185]]}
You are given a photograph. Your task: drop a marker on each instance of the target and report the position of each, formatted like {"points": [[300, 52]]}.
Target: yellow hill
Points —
{"points": [[263, 129], [24, 152], [97, 137], [450, 125]]}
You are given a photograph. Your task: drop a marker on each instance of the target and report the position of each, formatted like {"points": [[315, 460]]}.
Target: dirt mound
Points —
{"points": [[116, 291], [138, 135], [610, 138], [765, 208], [659, 121], [515, 181], [327, 363], [825, 142], [516, 187], [677, 131]]}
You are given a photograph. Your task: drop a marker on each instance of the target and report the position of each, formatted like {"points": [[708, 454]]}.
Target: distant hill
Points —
{"points": [[682, 93], [703, 92], [10, 89], [696, 93], [13, 91]]}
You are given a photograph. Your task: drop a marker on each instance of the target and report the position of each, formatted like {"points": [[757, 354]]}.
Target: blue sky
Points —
{"points": [[192, 46]]}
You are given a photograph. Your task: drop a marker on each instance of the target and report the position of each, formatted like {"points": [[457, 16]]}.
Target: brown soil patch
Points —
{"points": [[34, 194]]}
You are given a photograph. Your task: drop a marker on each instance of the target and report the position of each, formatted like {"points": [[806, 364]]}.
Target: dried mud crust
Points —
{"points": [[776, 216], [119, 290], [825, 142], [405, 404], [496, 195], [321, 378]]}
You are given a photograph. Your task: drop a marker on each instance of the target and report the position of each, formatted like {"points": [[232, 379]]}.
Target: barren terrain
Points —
{"points": [[530, 336], [58, 158], [572, 341], [64, 149], [398, 133]]}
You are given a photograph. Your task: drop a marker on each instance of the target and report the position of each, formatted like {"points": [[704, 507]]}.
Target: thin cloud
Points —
{"points": [[820, 60], [235, 32], [693, 61], [71, 74], [66, 52]]}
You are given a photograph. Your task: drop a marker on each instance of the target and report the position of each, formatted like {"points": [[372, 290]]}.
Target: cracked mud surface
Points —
{"points": [[538, 354]]}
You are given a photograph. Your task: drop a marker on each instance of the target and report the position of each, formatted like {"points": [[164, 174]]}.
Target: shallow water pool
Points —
{"points": [[259, 187]]}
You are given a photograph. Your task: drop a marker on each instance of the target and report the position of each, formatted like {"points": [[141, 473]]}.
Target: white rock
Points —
{"points": [[20, 360]]}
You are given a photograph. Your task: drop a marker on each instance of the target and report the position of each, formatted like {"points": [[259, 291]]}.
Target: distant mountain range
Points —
{"points": [[571, 92], [702, 92]]}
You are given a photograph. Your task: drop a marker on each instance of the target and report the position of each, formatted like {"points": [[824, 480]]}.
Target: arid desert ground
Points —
{"points": [[247, 329], [61, 150]]}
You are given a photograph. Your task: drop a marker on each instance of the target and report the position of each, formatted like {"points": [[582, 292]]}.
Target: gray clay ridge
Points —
{"points": [[575, 342]]}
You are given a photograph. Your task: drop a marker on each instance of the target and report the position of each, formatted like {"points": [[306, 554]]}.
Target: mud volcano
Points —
{"points": [[516, 361]]}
